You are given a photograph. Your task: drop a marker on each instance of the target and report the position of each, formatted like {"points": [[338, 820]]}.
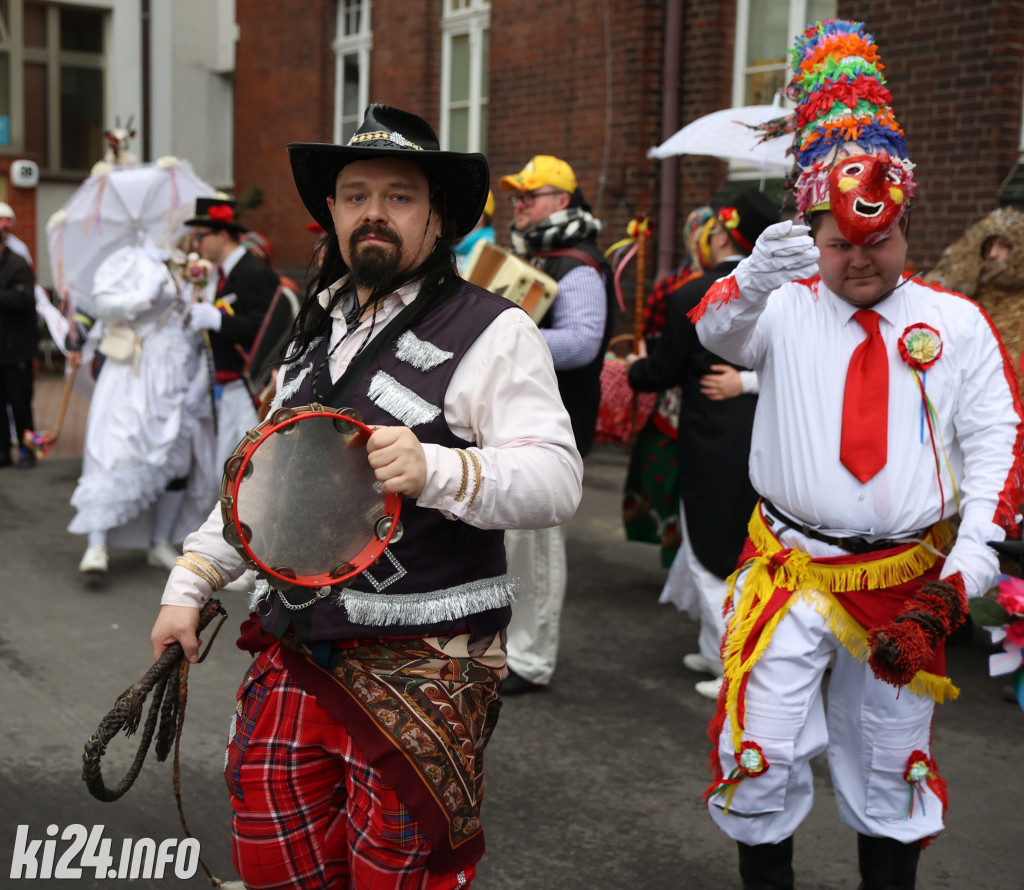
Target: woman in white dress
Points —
{"points": [[148, 474]]}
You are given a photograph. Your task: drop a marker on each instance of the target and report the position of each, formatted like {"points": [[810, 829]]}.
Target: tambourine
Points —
{"points": [[300, 501]]}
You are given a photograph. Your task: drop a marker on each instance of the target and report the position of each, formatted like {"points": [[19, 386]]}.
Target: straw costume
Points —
{"points": [[880, 415]]}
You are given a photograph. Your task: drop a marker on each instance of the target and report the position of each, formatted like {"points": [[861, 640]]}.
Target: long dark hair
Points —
{"points": [[438, 271]]}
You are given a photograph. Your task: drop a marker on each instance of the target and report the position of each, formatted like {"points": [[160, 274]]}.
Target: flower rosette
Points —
{"points": [[750, 762], [920, 346], [1003, 616], [921, 772]]}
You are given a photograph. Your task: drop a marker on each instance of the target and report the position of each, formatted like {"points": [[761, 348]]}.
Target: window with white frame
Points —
{"points": [[465, 61], [352, 45], [52, 81], [765, 30]]}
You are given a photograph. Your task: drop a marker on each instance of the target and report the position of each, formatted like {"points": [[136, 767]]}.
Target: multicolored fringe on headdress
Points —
{"points": [[843, 110]]}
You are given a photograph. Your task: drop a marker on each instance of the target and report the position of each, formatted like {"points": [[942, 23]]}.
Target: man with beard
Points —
{"points": [[356, 757], [552, 227]]}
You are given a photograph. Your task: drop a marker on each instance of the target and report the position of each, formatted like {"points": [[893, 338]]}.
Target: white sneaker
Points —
{"points": [[709, 688], [162, 555], [95, 559], [701, 664]]}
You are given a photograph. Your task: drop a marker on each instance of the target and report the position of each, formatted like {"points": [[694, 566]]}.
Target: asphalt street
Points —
{"points": [[593, 784]]}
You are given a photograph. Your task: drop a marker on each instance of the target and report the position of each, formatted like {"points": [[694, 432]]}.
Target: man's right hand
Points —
{"points": [[785, 252], [641, 352], [176, 624]]}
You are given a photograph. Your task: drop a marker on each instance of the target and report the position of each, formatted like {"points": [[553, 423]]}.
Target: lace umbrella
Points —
{"points": [[730, 135], [119, 207]]}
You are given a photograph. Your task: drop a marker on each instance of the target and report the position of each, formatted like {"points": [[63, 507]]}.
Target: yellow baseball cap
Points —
{"points": [[489, 206], [539, 171]]}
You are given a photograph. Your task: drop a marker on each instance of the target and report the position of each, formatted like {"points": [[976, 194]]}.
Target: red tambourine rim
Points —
{"points": [[362, 560]]}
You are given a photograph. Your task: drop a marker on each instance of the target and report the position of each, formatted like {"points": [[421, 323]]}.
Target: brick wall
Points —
{"points": [[582, 79], [575, 83], [405, 65], [284, 90], [706, 86], [956, 72]]}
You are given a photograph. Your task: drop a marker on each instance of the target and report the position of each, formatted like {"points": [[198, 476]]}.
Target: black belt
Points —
{"points": [[854, 544]]}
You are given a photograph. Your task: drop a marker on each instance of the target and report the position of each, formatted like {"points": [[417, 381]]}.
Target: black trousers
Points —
{"points": [[16, 391]]}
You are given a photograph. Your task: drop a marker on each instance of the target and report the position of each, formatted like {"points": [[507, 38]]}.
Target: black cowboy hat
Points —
{"points": [[216, 213], [388, 132]]}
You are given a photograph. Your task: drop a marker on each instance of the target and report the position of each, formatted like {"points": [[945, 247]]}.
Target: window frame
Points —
{"points": [[797, 23], [54, 59], [462, 18], [359, 44]]}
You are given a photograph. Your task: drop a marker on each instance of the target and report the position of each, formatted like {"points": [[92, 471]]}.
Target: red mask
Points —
{"points": [[867, 196]]}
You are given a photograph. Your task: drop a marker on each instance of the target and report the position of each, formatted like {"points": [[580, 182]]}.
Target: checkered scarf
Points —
{"points": [[564, 228]]}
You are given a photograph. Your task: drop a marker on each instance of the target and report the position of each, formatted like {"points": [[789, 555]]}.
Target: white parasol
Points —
{"points": [[727, 135], [119, 207]]}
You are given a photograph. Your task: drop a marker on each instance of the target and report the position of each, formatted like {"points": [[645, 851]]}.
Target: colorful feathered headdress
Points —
{"points": [[849, 147]]}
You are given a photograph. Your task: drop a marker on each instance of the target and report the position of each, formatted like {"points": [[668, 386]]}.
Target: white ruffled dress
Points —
{"points": [[150, 421]]}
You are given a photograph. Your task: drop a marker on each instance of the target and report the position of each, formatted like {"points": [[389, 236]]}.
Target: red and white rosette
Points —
{"points": [[920, 346]]}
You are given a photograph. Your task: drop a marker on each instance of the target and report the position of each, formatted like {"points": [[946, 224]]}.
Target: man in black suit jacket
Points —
{"points": [[17, 346], [244, 288], [715, 423]]}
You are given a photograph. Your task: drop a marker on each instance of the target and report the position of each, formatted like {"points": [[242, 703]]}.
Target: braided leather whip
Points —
{"points": [[167, 679]]}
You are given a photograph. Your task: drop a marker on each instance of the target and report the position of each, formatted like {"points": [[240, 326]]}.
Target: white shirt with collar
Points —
{"points": [[503, 395], [231, 260], [800, 341]]}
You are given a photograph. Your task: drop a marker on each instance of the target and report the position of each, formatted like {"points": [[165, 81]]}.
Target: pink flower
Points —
{"points": [[1011, 595], [1015, 632]]}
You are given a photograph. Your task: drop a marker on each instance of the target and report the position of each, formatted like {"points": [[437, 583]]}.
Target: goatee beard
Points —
{"points": [[374, 266]]}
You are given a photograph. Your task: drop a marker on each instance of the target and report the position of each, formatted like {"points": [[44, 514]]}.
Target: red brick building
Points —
{"points": [[599, 82]]}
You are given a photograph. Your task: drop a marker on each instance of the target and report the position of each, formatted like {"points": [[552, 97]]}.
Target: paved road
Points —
{"points": [[592, 785]]}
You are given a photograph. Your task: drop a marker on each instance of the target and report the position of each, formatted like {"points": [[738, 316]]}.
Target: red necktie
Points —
{"points": [[220, 279], [863, 447]]}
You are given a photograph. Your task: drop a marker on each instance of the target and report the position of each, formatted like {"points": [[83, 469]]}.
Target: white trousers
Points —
{"points": [[691, 588], [869, 728], [537, 562], [236, 415]]}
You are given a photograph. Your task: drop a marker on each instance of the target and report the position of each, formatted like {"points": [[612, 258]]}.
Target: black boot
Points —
{"points": [[886, 864], [767, 866]]}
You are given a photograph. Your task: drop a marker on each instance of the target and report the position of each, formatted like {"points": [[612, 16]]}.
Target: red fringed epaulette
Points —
{"points": [[722, 291]]}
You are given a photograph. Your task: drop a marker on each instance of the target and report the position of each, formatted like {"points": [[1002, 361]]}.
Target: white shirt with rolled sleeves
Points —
{"points": [[504, 396], [800, 339]]}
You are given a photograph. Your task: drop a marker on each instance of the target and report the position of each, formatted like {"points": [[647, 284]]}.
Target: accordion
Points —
{"points": [[503, 273]]}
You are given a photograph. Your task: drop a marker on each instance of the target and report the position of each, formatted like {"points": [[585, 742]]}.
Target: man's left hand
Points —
{"points": [[398, 461], [906, 644], [724, 382]]}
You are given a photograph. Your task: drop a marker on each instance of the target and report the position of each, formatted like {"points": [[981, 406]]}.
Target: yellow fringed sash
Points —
{"points": [[814, 583]]}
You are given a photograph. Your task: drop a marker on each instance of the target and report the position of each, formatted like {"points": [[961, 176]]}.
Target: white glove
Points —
{"points": [[783, 253], [204, 317]]}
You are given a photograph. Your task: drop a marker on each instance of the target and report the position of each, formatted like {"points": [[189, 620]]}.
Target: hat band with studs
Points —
{"points": [[384, 135]]}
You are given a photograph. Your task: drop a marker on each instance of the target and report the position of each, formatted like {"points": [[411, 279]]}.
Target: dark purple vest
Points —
{"points": [[411, 376]]}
